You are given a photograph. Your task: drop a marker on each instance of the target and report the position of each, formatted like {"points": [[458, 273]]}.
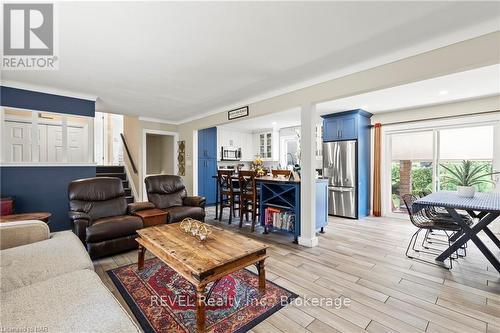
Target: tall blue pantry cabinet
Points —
{"points": [[207, 163], [354, 125]]}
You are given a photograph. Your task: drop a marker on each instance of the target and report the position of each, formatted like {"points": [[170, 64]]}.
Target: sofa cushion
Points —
{"points": [[23, 265], [113, 227], [19, 233], [177, 214], [73, 302]]}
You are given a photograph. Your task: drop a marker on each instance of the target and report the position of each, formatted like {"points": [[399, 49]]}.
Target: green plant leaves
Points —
{"points": [[468, 173]]}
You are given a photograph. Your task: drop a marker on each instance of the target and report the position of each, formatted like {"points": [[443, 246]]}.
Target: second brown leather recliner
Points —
{"points": [[168, 193]]}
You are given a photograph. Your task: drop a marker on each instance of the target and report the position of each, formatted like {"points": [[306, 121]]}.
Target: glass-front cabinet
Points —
{"points": [[266, 145]]}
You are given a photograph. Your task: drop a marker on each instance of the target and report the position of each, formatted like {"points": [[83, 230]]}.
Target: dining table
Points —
{"points": [[484, 208]]}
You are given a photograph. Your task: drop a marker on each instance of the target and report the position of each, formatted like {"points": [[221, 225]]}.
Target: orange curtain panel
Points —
{"points": [[376, 171]]}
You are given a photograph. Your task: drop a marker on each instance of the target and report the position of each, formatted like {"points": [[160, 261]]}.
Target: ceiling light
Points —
{"points": [[443, 92], [274, 123]]}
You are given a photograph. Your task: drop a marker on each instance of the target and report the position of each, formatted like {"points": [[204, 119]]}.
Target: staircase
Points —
{"points": [[117, 171]]}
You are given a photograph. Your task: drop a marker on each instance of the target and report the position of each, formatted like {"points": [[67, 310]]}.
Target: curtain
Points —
{"points": [[376, 171]]}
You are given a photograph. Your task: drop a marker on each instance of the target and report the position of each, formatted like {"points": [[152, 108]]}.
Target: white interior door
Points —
{"points": [[54, 143], [77, 144]]}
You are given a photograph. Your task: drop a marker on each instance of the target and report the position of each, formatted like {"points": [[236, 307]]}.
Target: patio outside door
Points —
{"points": [[418, 160]]}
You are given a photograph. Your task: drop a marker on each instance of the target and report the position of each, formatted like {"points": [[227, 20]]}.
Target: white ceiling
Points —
{"points": [[179, 60], [475, 83]]}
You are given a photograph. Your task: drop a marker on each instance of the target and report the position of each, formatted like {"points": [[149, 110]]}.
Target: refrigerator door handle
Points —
{"points": [[340, 189]]}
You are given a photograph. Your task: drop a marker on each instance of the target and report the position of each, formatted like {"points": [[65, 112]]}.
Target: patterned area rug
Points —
{"points": [[163, 301]]}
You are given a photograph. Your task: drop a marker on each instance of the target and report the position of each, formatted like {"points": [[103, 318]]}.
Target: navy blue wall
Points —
{"points": [[37, 188], [33, 100]]}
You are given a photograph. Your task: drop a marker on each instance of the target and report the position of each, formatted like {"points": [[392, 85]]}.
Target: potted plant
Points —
{"points": [[466, 175]]}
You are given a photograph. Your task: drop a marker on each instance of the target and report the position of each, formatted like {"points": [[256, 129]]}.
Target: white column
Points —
{"points": [[308, 176]]}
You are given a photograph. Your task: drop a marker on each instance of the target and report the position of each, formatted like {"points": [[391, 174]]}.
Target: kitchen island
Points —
{"points": [[279, 207]]}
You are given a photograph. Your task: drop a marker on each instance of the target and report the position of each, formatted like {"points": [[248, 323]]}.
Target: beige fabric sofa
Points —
{"points": [[48, 284]]}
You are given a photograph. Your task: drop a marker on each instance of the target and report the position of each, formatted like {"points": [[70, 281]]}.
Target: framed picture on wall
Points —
{"points": [[237, 113]]}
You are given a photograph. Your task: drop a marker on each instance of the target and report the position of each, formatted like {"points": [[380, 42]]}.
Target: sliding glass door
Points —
{"points": [[473, 144], [412, 161], [427, 159]]}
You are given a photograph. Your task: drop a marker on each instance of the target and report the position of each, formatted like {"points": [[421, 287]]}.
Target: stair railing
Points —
{"points": [[128, 153]]}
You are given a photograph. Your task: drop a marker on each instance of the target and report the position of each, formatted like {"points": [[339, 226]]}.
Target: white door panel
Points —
{"points": [[17, 136], [76, 144], [54, 143]]}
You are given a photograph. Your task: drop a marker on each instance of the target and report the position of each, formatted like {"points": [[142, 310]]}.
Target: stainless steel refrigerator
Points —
{"points": [[339, 165]]}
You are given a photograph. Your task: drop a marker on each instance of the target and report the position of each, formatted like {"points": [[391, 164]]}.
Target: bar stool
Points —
{"points": [[249, 201], [285, 173], [228, 195]]}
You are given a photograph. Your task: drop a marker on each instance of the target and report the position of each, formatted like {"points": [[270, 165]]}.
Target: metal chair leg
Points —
{"points": [[414, 237]]}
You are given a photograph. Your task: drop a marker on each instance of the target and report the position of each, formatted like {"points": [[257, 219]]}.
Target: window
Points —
{"points": [[473, 144], [60, 138], [420, 160]]}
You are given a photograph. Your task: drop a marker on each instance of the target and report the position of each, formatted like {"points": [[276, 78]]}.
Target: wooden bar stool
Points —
{"points": [[228, 195], [249, 201], [285, 173]]}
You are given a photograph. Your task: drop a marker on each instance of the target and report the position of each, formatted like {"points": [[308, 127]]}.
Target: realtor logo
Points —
{"points": [[29, 37]]}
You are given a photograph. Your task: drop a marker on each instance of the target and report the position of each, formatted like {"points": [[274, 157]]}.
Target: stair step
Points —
{"points": [[110, 169], [125, 183], [112, 174], [128, 192], [130, 199]]}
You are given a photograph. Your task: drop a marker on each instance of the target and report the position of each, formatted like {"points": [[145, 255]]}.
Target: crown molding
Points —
{"points": [[159, 120]]}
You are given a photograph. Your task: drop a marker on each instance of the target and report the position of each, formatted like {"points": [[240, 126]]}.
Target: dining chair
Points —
{"points": [[420, 220], [229, 196], [249, 201], [441, 214], [285, 173]]}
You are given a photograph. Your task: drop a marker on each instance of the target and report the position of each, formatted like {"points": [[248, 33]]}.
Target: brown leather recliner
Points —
{"points": [[99, 213], [168, 193]]}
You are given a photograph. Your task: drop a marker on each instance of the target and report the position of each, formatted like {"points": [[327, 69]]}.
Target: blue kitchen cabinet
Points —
{"points": [[348, 127], [341, 127], [207, 163], [285, 195], [211, 181], [330, 129], [207, 143]]}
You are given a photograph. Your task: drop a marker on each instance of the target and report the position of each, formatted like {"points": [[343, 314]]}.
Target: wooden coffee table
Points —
{"points": [[200, 263], [40, 216]]}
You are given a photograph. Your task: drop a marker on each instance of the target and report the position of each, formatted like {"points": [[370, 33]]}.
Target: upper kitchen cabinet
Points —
{"points": [[267, 143], [343, 126], [232, 139], [207, 143]]}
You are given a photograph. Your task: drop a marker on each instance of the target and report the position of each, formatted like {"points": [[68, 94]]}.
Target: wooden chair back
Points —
{"points": [[285, 173], [225, 182], [248, 190]]}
